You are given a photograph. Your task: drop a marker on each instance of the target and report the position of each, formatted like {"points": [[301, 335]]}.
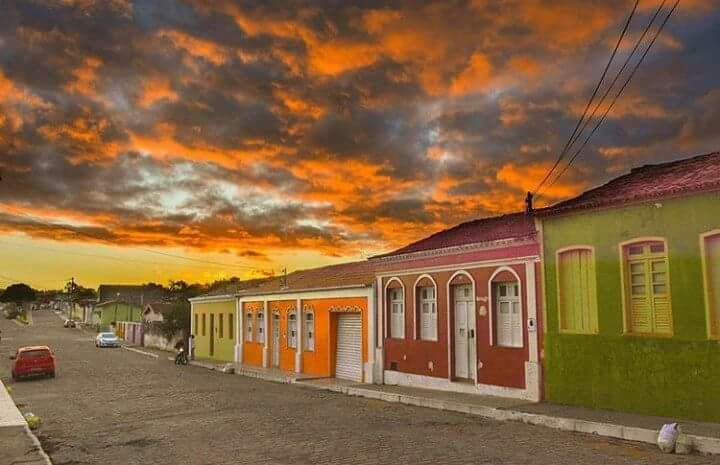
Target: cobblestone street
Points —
{"points": [[112, 406]]}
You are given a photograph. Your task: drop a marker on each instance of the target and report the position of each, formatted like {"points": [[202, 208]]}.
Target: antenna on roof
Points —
{"points": [[529, 203], [283, 279]]}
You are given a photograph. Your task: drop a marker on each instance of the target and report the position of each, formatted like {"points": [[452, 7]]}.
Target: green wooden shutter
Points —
{"points": [[640, 301], [576, 286], [712, 262]]}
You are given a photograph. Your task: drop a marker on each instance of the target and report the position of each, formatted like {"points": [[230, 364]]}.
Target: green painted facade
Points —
{"points": [[112, 312], [676, 376], [222, 343]]}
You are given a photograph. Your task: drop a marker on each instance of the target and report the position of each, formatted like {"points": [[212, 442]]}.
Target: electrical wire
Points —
{"points": [[617, 95], [568, 144]]}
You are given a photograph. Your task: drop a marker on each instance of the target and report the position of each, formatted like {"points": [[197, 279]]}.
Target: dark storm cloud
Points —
{"points": [[258, 125]]}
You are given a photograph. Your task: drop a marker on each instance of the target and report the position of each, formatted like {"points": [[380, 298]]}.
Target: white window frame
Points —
{"points": [[492, 303], [292, 339], [419, 301], [249, 326], [260, 328], [309, 331], [516, 331], [704, 237], [399, 332]]}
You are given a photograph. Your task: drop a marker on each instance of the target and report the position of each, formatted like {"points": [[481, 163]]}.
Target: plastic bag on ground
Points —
{"points": [[667, 438]]}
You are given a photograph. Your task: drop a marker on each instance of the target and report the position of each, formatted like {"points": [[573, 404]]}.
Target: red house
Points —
{"points": [[460, 310]]}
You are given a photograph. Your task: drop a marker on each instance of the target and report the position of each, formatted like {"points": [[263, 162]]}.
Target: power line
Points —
{"points": [[570, 141], [617, 95], [614, 81]]}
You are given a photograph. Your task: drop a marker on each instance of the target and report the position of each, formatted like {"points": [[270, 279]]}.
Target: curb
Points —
{"points": [[701, 444], [141, 352], [12, 417]]}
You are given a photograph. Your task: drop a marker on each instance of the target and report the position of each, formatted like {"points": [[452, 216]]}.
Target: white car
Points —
{"points": [[107, 340]]}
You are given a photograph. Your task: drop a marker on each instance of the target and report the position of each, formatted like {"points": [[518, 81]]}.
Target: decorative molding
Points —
{"points": [[345, 309], [457, 249]]}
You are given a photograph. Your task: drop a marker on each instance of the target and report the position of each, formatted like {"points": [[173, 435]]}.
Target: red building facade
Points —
{"points": [[460, 310]]}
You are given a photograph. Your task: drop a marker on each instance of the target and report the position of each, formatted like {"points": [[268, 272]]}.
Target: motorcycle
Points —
{"points": [[181, 357]]}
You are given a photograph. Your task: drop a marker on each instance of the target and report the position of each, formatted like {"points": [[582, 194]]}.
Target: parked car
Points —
{"points": [[69, 324], [107, 340], [33, 361]]}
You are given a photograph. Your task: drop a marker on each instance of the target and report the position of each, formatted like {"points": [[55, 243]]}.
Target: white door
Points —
{"points": [[276, 340], [464, 332], [348, 355]]}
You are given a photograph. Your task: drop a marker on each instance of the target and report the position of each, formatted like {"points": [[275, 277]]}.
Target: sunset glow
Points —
{"points": [[250, 137]]}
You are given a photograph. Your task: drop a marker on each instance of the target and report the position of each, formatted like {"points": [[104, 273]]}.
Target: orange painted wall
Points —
{"points": [[252, 351], [321, 361], [287, 354]]}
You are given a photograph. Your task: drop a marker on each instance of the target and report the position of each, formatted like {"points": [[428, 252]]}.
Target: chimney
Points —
{"points": [[529, 203]]}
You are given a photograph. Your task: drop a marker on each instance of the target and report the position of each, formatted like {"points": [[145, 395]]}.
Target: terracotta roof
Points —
{"points": [[234, 288], [327, 277], [136, 295], [650, 182], [511, 226]]}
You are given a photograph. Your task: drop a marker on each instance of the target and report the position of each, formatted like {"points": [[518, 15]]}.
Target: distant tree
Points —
{"points": [[18, 293], [83, 293], [177, 320]]}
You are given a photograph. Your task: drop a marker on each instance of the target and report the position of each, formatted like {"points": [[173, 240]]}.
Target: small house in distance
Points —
{"points": [[124, 303]]}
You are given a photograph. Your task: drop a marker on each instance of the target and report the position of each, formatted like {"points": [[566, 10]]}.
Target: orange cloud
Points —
{"points": [[156, 89], [197, 48], [475, 77], [525, 178], [85, 77]]}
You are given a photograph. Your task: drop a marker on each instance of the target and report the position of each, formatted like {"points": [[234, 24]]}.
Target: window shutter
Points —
{"points": [[517, 332], [663, 315], [712, 263], [576, 285], [504, 324]]}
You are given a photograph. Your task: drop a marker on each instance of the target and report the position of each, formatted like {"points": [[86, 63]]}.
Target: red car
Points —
{"points": [[33, 361]]}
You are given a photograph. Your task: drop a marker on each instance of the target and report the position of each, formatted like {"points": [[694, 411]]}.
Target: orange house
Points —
{"points": [[316, 322]]}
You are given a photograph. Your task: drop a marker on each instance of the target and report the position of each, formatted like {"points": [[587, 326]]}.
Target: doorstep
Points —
{"points": [[699, 436]]}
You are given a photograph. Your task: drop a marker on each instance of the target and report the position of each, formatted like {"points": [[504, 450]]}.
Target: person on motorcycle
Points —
{"points": [[181, 355]]}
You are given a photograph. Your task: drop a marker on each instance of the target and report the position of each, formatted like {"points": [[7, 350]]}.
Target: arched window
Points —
{"points": [[426, 297], [396, 307], [261, 327], [507, 314], [249, 327], [292, 330], [309, 331], [647, 288]]}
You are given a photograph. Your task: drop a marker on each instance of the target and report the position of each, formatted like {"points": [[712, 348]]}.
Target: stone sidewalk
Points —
{"points": [[19, 444], [696, 436]]}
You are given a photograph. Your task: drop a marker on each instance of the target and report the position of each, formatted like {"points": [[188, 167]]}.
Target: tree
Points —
{"points": [[177, 320], [18, 293]]}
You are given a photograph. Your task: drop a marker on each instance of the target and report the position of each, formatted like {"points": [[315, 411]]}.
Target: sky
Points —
{"points": [[155, 140]]}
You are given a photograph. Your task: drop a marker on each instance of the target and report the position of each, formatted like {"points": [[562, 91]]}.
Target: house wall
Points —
{"points": [[673, 376], [321, 361], [287, 354], [118, 312], [497, 366], [224, 346], [252, 351]]}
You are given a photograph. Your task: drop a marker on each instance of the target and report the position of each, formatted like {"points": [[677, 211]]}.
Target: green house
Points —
{"points": [[632, 293], [124, 302]]}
